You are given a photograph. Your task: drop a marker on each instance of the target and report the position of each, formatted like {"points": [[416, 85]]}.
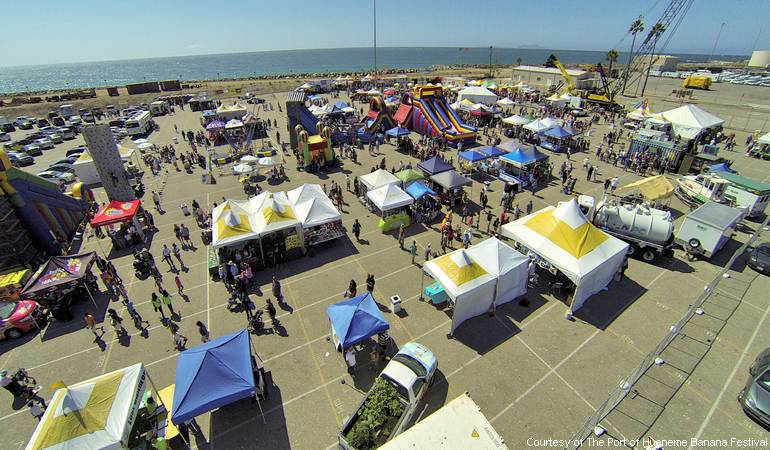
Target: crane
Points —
{"points": [[567, 78], [668, 23]]}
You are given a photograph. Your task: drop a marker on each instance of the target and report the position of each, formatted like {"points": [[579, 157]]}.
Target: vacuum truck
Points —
{"points": [[649, 231]]}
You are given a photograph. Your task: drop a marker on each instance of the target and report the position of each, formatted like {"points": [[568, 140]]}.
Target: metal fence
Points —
{"points": [[626, 386]]}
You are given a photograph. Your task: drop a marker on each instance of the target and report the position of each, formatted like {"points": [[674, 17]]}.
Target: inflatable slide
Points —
{"points": [[374, 121], [432, 116]]}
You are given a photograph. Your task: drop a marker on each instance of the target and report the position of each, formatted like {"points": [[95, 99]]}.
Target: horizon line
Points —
{"points": [[522, 47]]}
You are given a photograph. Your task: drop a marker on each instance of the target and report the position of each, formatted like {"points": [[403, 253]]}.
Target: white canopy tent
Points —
{"points": [[228, 112], [94, 414], [537, 126], [316, 211], [378, 178], [689, 121], [305, 192], [468, 285], [477, 94], [764, 139], [516, 120], [388, 197], [551, 122], [232, 224], [85, 169], [505, 263], [505, 101], [564, 239]]}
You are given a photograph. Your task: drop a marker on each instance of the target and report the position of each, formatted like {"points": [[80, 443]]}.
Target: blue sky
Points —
{"points": [[46, 31]]}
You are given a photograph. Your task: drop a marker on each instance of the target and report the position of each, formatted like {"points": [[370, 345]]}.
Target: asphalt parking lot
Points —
{"points": [[534, 374]]}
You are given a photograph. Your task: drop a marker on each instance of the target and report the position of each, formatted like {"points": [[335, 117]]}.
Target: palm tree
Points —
{"points": [[657, 30], [519, 61], [612, 57], [637, 26]]}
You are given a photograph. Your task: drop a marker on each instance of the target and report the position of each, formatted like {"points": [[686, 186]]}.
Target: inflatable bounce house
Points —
{"points": [[317, 148], [374, 120], [428, 113], [35, 216]]}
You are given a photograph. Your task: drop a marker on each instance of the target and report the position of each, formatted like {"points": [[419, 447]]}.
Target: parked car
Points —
{"points": [[67, 133], [41, 123], [16, 318], [56, 138], [76, 120], [67, 160], [43, 143], [88, 117], [49, 130], [57, 177], [58, 121], [75, 151], [754, 398], [61, 167], [759, 259], [32, 150], [24, 122], [20, 159]]}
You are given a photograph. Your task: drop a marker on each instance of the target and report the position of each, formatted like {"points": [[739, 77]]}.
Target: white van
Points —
{"points": [[159, 108], [139, 124]]}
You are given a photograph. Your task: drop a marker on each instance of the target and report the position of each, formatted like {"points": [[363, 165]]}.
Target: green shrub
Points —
{"points": [[383, 402]]}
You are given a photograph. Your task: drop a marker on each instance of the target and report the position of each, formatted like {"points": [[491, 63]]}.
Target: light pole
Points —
{"points": [[375, 43], [490, 61]]}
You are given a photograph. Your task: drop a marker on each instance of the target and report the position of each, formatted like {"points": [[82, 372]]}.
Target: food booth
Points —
{"points": [[471, 160], [376, 179], [355, 320], [583, 258], [279, 230], [409, 176], [426, 206], [449, 186], [392, 203], [556, 139], [517, 165], [122, 223], [321, 221], [61, 282]]}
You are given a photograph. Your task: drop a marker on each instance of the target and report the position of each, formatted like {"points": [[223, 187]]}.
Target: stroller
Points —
{"points": [[256, 324]]}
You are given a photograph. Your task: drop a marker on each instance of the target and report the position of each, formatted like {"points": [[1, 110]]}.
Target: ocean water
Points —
{"points": [[207, 67]]}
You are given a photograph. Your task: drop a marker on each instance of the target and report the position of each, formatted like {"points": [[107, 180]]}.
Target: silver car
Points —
{"points": [[755, 396]]}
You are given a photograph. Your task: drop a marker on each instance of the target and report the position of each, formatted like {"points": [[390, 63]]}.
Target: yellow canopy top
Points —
{"points": [[459, 268], [653, 188], [571, 232]]}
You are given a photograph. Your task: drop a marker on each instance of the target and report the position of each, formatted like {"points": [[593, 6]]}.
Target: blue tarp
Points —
{"points": [[340, 104], [418, 190], [472, 156], [721, 167], [434, 165], [356, 320], [213, 375], [558, 133], [523, 157], [491, 151], [397, 132]]}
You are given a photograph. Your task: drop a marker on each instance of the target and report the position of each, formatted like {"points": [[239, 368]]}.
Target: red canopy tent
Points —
{"points": [[116, 212]]}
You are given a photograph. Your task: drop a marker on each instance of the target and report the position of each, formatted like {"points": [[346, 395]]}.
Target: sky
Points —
{"points": [[49, 32]]}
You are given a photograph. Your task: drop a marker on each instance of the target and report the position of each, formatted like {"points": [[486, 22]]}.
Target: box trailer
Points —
{"points": [[707, 229]]}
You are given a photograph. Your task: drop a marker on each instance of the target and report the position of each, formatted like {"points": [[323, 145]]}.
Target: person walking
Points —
{"points": [[167, 257], [401, 236], [271, 311], [370, 282], [157, 305], [276, 285], [36, 410], [427, 252], [185, 234], [352, 289], [203, 331], [139, 322], [180, 340], [413, 250], [614, 184], [117, 322], [179, 285], [177, 254], [166, 299], [529, 207], [606, 184], [88, 318], [357, 229], [156, 200]]}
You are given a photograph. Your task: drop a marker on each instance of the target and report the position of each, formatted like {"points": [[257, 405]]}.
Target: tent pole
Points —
{"points": [[90, 295], [422, 281], [259, 403]]}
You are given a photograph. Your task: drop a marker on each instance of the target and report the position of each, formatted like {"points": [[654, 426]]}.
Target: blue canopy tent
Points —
{"points": [[355, 320], [523, 157], [213, 375], [434, 165], [721, 167], [397, 132], [418, 190], [558, 132], [491, 152], [472, 156], [341, 105]]}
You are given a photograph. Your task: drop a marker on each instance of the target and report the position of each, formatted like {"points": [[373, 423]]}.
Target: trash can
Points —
{"points": [[395, 304]]}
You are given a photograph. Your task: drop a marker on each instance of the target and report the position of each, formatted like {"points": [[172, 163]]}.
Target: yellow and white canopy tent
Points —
{"points": [[563, 239], [234, 111], [653, 188], [94, 414], [468, 285], [505, 263], [275, 213], [233, 223]]}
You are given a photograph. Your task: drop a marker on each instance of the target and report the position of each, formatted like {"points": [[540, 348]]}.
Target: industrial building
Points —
{"points": [[544, 77]]}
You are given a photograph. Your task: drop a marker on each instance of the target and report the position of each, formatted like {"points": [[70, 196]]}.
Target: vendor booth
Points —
{"points": [[516, 120], [355, 320], [517, 166], [215, 374], [392, 203], [505, 263], [106, 412], [376, 179], [537, 126], [477, 94], [409, 176], [469, 288], [449, 185], [690, 121], [229, 112], [470, 160], [232, 224], [62, 281], [122, 223], [562, 241], [426, 206], [434, 165], [321, 221], [280, 232], [556, 139]]}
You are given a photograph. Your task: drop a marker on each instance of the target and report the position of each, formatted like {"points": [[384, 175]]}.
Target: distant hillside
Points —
{"points": [[531, 47]]}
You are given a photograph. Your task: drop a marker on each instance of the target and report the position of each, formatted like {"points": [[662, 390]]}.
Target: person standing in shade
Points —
{"points": [[413, 250], [401, 236]]}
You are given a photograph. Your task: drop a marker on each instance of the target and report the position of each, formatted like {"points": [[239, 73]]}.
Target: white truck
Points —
{"points": [[158, 108], [401, 386], [648, 231], [458, 424]]}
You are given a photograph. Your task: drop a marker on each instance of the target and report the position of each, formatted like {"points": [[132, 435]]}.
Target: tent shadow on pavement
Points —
{"points": [[601, 309], [483, 333], [58, 328], [240, 425], [515, 311], [115, 253]]}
